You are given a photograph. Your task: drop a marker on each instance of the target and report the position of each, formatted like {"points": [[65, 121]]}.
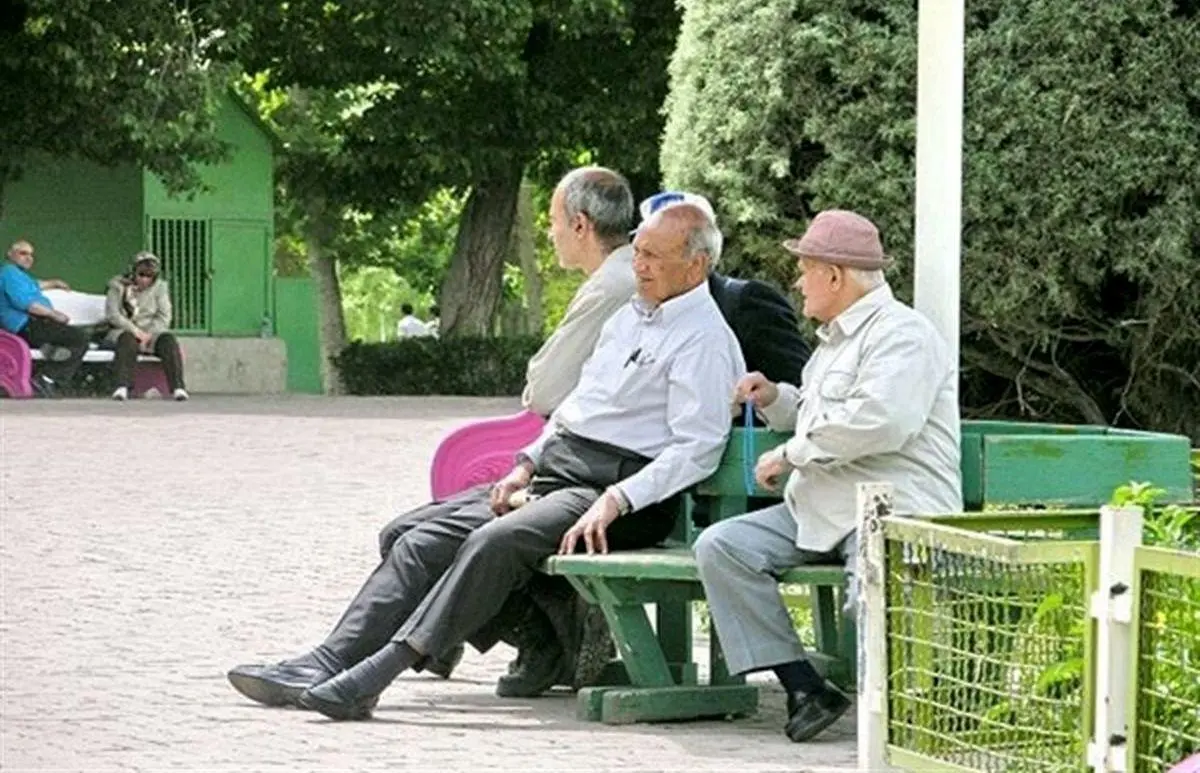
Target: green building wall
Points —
{"points": [[85, 221]]}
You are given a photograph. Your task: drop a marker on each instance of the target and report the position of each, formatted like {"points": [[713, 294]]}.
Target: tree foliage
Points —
{"points": [[1081, 294], [469, 94], [135, 81]]}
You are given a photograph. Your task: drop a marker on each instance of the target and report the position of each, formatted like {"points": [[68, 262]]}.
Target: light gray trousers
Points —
{"points": [[739, 561]]}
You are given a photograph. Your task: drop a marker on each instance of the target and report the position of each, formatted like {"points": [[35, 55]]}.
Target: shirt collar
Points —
{"points": [[850, 320], [672, 308]]}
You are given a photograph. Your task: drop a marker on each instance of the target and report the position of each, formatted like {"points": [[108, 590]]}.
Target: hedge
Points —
{"points": [[484, 367]]}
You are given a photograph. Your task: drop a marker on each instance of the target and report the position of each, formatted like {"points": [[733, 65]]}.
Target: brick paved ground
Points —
{"points": [[148, 547]]}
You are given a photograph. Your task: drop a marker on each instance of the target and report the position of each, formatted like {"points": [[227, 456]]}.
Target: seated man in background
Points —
{"points": [[878, 402], [591, 213], [550, 636], [27, 312], [409, 326], [649, 417]]}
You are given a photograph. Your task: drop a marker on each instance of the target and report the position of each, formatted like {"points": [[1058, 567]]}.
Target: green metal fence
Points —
{"points": [[989, 647], [1166, 683]]}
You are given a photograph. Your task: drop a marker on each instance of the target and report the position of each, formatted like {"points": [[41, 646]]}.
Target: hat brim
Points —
{"points": [[863, 262]]}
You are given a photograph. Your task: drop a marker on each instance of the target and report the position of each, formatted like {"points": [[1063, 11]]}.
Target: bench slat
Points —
{"points": [[670, 564], [95, 355]]}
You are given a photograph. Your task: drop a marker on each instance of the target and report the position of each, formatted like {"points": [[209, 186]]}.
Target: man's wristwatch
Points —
{"points": [[623, 505]]}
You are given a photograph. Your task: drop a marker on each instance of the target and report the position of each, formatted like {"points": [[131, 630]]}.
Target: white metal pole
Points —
{"points": [[874, 502], [1112, 607], [938, 251]]}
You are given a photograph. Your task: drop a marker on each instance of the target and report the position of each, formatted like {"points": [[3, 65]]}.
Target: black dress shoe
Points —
{"points": [[541, 668], [277, 685], [809, 714], [43, 386], [444, 664], [339, 698]]}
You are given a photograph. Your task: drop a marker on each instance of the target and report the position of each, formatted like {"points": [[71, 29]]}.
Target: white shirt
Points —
{"points": [[660, 384], [879, 402], [554, 371], [411, 327]]}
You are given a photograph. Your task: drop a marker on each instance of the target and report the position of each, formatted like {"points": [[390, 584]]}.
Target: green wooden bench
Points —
{"points": [[1003, 463]]}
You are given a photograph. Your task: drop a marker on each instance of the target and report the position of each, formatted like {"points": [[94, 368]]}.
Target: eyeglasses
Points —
{"points": [[24, 253], [147, 274]]}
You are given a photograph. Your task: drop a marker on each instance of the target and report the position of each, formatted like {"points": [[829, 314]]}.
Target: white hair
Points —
{"points": [[866, 279], [705, 238]]}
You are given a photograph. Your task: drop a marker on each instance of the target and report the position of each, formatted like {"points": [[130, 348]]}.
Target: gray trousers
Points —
{"points": [[446, 577], [739, 561]]}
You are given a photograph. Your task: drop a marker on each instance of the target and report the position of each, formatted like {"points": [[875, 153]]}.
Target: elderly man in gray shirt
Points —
{"points": [[878, 402]]}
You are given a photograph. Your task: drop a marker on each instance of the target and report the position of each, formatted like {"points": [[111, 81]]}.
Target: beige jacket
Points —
{"points": [[151, 308], [879, 402], [554, 371]]}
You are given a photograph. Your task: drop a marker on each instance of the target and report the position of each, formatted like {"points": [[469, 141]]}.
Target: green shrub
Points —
{"points": [[1080, 294], [433, 366]]}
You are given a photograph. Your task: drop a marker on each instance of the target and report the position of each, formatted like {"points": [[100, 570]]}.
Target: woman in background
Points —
{"points": [[138, 308]]}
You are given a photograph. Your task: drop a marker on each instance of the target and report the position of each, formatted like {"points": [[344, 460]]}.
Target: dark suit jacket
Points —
{"points": [[765, 324]]}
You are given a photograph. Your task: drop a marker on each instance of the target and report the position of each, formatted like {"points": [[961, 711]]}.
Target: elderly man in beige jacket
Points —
{"points": [[878, 402], [577, 219]]}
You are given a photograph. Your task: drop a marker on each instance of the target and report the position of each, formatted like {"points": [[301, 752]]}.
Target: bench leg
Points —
{"points": [[675, 634], [825, 616]]}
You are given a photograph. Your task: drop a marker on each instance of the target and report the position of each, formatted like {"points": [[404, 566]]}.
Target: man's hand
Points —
{"points": [[505, 487], [143, 338], [770, 469], [55, 284], [59, 316], [755, 388], [593, 527]]}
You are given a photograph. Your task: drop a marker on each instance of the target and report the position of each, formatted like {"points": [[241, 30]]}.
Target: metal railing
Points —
{"points": [[998, 643], [1166, 678]]}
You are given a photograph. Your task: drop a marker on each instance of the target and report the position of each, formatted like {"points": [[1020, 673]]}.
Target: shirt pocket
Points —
{"points": [[836, 385]]}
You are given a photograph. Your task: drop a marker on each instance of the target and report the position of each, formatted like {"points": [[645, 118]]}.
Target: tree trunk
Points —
{"points": [[332, 323], [472, 289], [525, 251]]}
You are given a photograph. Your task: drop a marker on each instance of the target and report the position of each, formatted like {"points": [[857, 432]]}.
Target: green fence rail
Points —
{"points": [[989, 645], [1166, 640]]}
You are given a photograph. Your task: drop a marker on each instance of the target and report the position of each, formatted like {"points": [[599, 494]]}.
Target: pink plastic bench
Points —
{"points": [[481, 452], [16, 368]]}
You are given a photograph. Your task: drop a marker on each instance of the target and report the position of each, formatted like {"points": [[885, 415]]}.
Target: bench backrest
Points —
{"points": [[82, 308]]}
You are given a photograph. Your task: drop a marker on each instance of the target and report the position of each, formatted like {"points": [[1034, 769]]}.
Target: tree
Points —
{"points": [[468, 95], [134, 81], [1082, 149]]}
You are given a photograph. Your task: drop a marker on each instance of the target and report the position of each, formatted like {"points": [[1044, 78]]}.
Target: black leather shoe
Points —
{"points": [[541, 668], [808, 715], [339, 698], [445, 664], [277, 685], [43, 387]]}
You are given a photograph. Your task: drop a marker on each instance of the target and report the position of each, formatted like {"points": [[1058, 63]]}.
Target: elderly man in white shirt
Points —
{"points": [[649, 418], [878, 402]]}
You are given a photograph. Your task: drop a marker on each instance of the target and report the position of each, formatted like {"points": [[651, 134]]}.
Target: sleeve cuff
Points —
{"points": [[783, 410]]}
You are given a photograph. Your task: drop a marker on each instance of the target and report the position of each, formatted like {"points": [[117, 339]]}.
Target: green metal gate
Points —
{"points": [[185, 248]]}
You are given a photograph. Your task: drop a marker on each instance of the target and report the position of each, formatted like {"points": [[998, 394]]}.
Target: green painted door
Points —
{"points": [[239, 280], [296, 324]]}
